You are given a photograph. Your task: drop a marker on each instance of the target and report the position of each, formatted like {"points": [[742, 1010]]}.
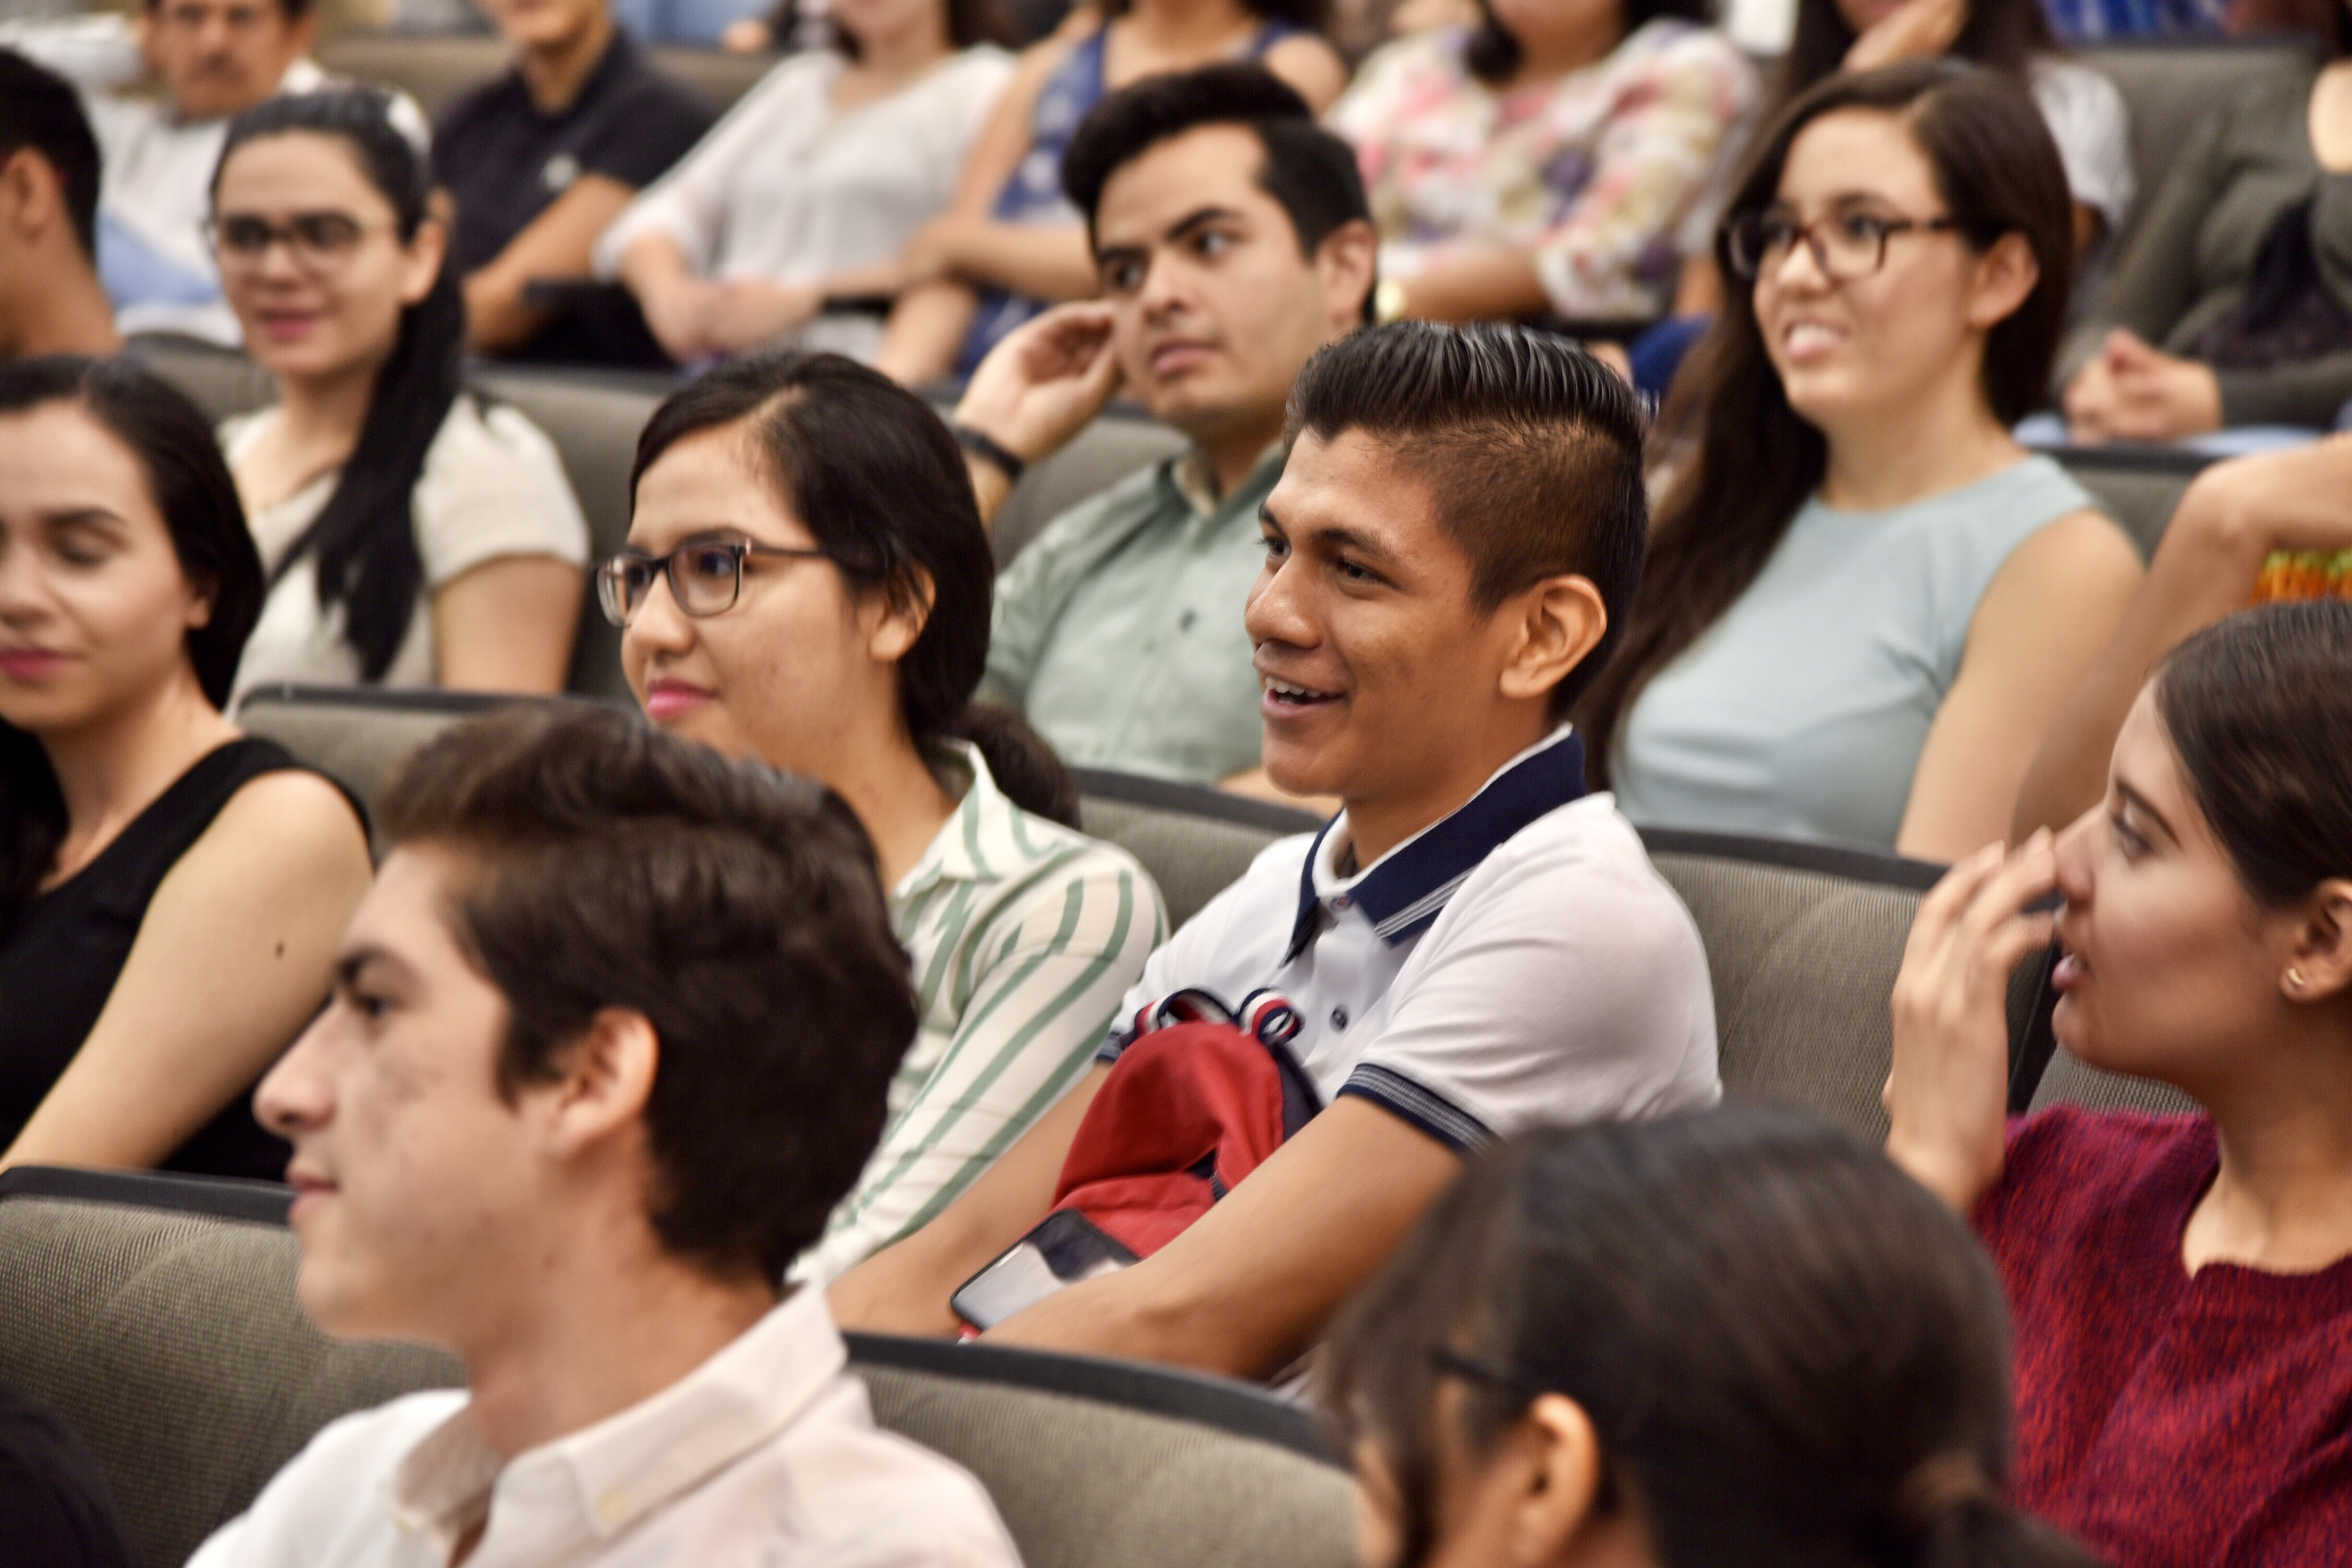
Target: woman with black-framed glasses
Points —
{"points": [[1864, 601], [807, 582], [1739, 1338], [414, 533]]}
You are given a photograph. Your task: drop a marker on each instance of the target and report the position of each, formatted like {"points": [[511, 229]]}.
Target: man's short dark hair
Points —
{"points": [[292, 10], [1531, 448], [1311, 172], [736, 908], [39, 109]]}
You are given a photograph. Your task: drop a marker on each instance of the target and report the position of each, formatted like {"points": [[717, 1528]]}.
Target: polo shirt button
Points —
{"points": [[1185, 622], [1338, 1018]]}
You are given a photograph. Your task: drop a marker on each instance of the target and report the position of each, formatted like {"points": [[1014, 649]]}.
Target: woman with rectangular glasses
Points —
{"points": [[807, 582], [1864, 602], [414, 534]]}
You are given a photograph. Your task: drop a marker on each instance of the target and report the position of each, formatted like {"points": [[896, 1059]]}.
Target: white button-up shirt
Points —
{"points": [[766, 1454]]}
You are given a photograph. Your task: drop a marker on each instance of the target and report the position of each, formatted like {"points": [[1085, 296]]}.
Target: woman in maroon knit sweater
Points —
{"points": [[2180, 1287]]}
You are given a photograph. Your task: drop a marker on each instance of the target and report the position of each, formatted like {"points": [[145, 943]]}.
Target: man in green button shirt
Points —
{"points": [[1232, 239]]}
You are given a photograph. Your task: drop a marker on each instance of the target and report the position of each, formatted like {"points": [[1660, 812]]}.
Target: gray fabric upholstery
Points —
{"points": [[356, 742], [434, 67], [1192, 857], [2068, 1080], [219, 382], [172, 1343], [1081, 1483], [2170, 86], [2142, 496]]}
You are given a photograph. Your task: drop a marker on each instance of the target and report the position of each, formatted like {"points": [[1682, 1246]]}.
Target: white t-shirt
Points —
{"points": [[492, 486], [1518, 963], [789, 189]]}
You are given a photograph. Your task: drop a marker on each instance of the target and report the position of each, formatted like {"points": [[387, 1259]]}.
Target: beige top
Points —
{"points": [[492, 486]]}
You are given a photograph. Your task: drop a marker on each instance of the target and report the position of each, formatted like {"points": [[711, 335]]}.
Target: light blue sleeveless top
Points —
{"points": [[1801, 714]]}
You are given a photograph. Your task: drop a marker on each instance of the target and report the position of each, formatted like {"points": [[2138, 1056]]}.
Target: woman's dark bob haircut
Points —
{"points": [[1753, 460], [871, 471], [1791, 1353], [2259, 709], [192, 487]]}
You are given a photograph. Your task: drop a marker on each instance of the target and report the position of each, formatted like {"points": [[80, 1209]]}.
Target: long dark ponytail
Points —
{"points": [[872, 472], [1751, 461], [1791, 1354], [192, 487], [364, 539]]}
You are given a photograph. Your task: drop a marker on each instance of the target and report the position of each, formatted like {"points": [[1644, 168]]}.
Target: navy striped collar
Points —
{"points": [[1405, 891]]}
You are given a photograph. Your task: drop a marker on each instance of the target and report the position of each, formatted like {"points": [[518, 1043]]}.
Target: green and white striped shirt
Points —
{"points": [[1024, 935]]}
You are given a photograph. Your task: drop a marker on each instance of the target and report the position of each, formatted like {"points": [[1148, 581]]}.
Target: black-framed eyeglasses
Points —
{"points": [[1846, 248], [706, 577], [319, 242]]}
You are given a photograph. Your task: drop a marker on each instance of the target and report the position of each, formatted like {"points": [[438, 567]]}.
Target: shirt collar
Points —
{"points": [[599, 1480], [1197, 482], [1405, 889], [971, 844]]}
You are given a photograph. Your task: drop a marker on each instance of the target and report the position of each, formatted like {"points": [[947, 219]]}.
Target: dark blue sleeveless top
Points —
{"points": [[1033, 194]]}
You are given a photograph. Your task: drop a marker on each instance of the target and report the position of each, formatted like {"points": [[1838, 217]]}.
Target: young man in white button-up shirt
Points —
{"points": [[1473, 946], [609, 1039]]}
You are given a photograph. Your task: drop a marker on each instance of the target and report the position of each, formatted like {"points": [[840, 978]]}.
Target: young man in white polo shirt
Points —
{"points": [[1472, 944], [610, 1037]]}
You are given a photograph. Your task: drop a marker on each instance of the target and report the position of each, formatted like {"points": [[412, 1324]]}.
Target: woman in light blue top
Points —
{"points": [[1864, 602]]}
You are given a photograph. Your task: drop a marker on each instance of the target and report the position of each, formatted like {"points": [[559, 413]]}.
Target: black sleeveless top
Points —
{"points": [[61, 963]]}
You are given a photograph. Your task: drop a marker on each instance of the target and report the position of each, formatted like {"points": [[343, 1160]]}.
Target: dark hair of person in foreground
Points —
{"points": [[1752, 460], [733, 906], [1788, 1352], [872, 472], [191, 489]]}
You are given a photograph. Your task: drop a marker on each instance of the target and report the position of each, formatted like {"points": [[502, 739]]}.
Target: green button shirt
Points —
{"points": [[1118, 629]]}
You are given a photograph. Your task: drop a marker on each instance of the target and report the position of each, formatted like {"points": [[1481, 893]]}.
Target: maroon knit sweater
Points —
{"points": [[2165, 1419]]}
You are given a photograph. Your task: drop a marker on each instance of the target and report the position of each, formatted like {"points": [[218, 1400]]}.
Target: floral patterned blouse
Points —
{"points": [[1593, 173]]}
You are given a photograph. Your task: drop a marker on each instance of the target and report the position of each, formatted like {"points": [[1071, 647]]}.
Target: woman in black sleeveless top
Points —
{"points": [[171, 891]]}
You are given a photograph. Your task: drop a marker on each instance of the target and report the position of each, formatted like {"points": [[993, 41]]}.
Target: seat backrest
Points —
{"points": [[431, 67], [1803, 942], [220, 381], [2169, 86], [718, 78], [1192, 840], [2069, 1081], [358, 735], [2140, 488], [157, 1313], [595, 424]]}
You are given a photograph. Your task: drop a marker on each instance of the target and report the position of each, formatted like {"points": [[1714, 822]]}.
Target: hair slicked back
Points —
{"points": [[736, 908], [1530, 446]]}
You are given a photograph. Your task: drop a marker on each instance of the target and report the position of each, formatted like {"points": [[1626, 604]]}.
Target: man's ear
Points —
{"points": [[1558, 622], [2005, 276], [28, 192], [1348, 262], [2322, 956], [1562, 1498], [607, 1079]]}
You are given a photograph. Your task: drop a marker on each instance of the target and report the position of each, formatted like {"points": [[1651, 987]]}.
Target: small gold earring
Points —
{"points": [[2295, 978]]}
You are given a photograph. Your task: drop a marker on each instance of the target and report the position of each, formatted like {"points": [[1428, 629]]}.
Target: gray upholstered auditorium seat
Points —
{"points": [[1192, 840], [357, 735], [1097, 457], [158, 1314], [434, 67], [2139, 486]]}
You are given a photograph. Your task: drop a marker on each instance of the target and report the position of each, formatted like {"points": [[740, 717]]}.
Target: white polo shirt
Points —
{"points": [[767, 1454], [1516, 963]]}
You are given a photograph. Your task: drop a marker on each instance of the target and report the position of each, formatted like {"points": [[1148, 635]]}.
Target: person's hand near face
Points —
{"points": [[1038, 388], [2132, 392], [1912, 30]]}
